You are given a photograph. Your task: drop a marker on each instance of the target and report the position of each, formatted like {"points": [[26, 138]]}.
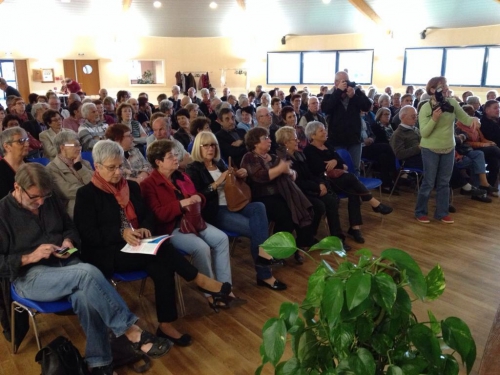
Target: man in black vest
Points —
{"points": [[312, 113]]}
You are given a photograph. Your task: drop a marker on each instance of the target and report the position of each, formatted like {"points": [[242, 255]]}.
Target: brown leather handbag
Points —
{"points": [[335, 173], [238, 193], [192, 221]]}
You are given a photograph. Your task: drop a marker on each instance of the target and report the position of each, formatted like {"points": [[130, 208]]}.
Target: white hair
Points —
{"points": [[86, 109], [104, 150]]}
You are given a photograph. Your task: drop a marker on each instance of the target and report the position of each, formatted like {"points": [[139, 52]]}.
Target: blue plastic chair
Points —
{"points": [[190, 146], [369, 182], [87, 155], [233, 236], [33, 308], [42, 161], [119, 277], [402, 169]]}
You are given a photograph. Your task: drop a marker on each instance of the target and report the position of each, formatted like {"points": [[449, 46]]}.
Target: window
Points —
{"points": [[358, 64], [8, 72], [464, 66], [318, 67], [146, 72], [421, 64], [492, 71], [283, 67]]}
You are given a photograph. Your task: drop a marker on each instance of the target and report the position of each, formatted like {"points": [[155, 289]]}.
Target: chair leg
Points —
{"points": [[395, 183], [180, 297], [13, 325], [232, 246]]}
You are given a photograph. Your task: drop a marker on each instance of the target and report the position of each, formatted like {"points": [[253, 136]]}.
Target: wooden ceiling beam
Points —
{"points": [[365, 9], [126, 5]]}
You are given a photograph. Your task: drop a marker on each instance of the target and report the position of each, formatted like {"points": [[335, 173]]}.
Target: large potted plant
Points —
{"points": [[357, 318]]}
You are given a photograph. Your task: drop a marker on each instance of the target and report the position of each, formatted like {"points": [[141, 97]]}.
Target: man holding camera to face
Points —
{"points": [[342, 105]]}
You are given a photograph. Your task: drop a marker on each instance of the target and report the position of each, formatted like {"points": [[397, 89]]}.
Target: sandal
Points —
{"points": [[160, 347]]}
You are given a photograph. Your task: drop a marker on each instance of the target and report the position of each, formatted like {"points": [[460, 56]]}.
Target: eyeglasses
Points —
{"points": [[112, 169], [20, 141], [33, 197], [72, 145], [56, 119], [172, 156], [264, 138], [209, 145]]}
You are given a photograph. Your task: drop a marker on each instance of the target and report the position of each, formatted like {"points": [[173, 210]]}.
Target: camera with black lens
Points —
{"points": [[351, 84], [442, 102]]}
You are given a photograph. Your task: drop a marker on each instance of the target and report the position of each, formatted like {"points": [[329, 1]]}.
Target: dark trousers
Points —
{"points": [[492, 158], [414, 162], [385, 161], [277, 210], [356, 192], [161, 268], [327, 205]]}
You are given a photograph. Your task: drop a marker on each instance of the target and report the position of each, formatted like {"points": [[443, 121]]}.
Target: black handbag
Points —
{"points": [[124, 354], [60, 357]]}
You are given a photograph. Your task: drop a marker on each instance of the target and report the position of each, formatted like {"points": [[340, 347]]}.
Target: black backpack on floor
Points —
{"points": [[60, 357]]}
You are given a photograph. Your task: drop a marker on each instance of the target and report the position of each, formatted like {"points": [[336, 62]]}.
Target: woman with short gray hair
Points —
{"points": [[91, 131], [14, 143], [322, 159], [68, 170]]}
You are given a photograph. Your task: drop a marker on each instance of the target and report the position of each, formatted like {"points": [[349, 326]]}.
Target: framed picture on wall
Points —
{"points": [[47, 75]]}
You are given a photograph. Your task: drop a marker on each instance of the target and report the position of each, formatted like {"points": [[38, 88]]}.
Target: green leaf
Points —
{"points": [[280, 245], [435, 327], [385, 291], [450, 365], [263, 354], [458, 337], [414, 366], [365, 257], [381, 343], [405, 262], [394, 370], [333, 299], [315, 286], [363, 307], [345, 266], [364, 328], [307, 347], [435, 283], [296, 332], [308, 313], [291, 367], [342, 337], [259, 370], [327, 266], [274, 334], [330, 245], [366, 363], [426, 343], [289, 312], [357, 288], [402, 306]]}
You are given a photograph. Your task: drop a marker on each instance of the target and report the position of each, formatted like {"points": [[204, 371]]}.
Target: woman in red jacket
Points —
{"points": [[167, 192]]}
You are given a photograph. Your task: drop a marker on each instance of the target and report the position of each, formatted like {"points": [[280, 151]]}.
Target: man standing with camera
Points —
{"points": [[343, 105]]}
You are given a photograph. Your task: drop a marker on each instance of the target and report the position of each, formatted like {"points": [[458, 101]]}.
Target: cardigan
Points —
{"points": [[440, 134], [161, 199], [98, 220], [202, 178], [47, 139], [66, 181], [7, 178], [405, 142]]}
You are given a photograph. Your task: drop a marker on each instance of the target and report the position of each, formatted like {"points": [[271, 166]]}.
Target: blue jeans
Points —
{"points": [[355, 152], [97, 304], [250, 222], [474, 160], [437, 172], [200, 250]]}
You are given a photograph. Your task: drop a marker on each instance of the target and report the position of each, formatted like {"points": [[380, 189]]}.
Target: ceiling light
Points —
{"points": [[65, 1], [213, 5], [157, 4], [326, 1]]}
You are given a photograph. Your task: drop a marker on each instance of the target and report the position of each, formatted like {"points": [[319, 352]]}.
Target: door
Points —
{"points": [[23, 83], [85, 72]]}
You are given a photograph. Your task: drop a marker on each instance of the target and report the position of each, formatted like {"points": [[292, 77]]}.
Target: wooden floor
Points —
{"points": [[228, 342]]}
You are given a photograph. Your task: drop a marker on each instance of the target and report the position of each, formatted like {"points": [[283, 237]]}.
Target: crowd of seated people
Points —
{"points": [[149, 163]]}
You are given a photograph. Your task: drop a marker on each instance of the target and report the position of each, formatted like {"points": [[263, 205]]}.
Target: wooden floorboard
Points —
{"points": [[228, 342]]}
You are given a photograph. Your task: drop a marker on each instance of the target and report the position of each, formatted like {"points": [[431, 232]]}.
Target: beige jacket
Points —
{"points": [[47, 139], [67, 183]]}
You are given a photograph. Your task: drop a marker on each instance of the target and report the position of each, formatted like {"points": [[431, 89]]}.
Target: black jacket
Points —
{"points": [[33, 127], [306, 181], [97, 218], [316, 159], [490, 129], [202, 178], [344, 124], [225, 139]]}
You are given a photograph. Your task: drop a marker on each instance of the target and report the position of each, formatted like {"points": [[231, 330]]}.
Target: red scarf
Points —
{"points": [[122, 196]]}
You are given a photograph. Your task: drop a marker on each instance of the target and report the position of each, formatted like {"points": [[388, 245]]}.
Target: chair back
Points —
{"points": [[87, 155], [344, 154], [42, 161]]}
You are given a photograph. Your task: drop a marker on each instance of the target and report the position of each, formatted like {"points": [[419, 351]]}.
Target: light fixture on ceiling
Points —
{"points": [[157, 4], [283, 40], [423, 34], [213, 5], [65, 1], [326, 1]]}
